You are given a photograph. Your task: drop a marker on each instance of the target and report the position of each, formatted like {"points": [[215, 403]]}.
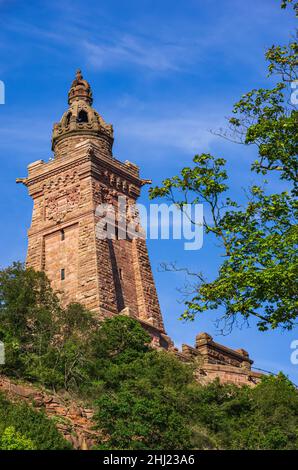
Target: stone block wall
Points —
{"points": [[215, 360], [227, 375], [106, 275]]}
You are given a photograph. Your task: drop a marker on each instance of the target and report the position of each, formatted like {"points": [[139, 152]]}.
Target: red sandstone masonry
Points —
{"points": [[227, 375], [217, 361], [107, 276]]}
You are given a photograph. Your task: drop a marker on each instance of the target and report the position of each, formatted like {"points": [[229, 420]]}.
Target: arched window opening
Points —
{"points": [[68, 119], [83, 116]]}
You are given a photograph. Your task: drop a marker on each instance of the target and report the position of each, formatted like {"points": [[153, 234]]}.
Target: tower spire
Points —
{"points": [[80, 90], [79, 75], [80, 120]]}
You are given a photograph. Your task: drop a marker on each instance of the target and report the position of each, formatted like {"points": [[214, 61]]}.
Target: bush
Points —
{"points": [[145, 404], [263, 417], [144, 399], [34, 428], [13, 440]]}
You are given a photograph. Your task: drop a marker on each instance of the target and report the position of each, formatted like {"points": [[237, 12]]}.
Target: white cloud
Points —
{"points": [[129, 49], [190, 133]]}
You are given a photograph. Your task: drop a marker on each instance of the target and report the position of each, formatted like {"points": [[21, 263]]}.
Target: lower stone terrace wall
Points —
{"points": [[227, 375]]}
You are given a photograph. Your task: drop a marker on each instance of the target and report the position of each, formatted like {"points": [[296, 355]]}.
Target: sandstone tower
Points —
{"points": [[113, 275], [109, 276]]}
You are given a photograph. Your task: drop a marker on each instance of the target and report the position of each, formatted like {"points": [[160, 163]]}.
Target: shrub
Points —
{"points": [[13, 440], [34, 428]]}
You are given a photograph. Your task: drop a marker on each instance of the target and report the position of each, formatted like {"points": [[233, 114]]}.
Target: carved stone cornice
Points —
{"points": [[114, 173]]}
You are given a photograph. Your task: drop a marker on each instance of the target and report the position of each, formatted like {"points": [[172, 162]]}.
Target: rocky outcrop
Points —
{"points": [[71, 419]]}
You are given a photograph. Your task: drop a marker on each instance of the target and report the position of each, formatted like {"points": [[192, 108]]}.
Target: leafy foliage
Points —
{"points": [[43, 342], [144, 399], [13, 440], [259, 273], [144, 404], [154, 403], [264, 417], [22, 428]]}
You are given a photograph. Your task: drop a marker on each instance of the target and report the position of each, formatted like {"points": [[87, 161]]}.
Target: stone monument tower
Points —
{"points": [[108, 276]]}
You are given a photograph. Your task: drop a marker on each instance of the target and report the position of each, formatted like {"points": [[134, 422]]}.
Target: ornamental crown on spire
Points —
{"points": [[81, 119], [80, 90]]}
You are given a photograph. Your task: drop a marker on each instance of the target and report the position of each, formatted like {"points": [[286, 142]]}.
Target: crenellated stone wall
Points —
{"points": [[215, 360]]}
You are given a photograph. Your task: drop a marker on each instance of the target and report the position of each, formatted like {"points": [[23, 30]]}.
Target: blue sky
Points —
{"points": [[164, 73]]}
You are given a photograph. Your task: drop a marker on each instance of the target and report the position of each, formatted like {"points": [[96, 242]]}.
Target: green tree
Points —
{"points": [[152, 401], [259, 273], [43, 341], [144, 399], [263, 417], [144, 404]]}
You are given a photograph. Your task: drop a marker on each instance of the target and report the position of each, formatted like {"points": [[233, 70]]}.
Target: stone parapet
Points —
{"points": [[227, 375], [216, 353], [214, 360]]}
